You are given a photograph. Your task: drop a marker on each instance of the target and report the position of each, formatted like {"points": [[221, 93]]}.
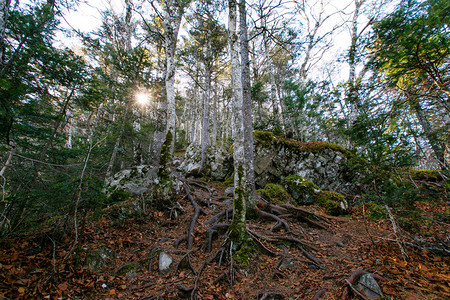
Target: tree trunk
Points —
{"points": [[238, 227], [431, 136], [249, 173], [4, 14], [205, 121], [214, 125]]}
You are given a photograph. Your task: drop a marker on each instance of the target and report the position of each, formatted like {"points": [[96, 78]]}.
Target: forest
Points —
{"points": [[261, 149]]}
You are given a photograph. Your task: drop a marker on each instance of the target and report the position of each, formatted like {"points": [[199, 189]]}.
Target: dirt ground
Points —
{"points": [[37, 266]]}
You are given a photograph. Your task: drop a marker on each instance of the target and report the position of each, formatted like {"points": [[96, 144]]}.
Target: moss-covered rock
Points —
{"points": [[334, 203], [303, 191], [275, 193], [269, 139], [426, 175]]}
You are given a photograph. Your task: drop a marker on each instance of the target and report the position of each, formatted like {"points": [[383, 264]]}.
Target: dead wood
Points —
{"points": [[398, 237]]}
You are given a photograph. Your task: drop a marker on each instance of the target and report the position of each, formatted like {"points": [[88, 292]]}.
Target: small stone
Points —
{"points": [[165, 261], [229, 191], [340, 244], [369, 287]]}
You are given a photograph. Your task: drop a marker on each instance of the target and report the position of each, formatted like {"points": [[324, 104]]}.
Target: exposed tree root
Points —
{"points": [[280, 223], [319, 294], [227, 212]]}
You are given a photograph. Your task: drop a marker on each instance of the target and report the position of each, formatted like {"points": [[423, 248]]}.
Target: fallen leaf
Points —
{"points": [[112, 292]]}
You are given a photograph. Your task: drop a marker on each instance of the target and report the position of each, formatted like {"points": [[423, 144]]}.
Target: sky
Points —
{"points": [[88, 17]]}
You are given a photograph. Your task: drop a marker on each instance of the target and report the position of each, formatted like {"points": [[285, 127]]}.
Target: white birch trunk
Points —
{"points": [[249, 172], [239, 203], [205, 120], [4, 14]]}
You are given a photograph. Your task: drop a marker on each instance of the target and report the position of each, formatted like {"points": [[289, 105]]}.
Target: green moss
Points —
{"points": [[302, 190], [275, 193], [238, 230], [127, 268], [331, 201], [375, 211], [245, 253], [268, 139], [118, 196], [229, 181]]}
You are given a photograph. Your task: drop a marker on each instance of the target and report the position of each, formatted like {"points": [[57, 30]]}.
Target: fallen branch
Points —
{"points": [[432, 249], [397, 233]]}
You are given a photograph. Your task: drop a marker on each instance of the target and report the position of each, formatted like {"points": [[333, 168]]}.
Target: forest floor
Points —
{"points": [[33, 266]]}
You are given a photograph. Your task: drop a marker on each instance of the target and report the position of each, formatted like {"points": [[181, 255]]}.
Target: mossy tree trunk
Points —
{"points": [[244, 180]]}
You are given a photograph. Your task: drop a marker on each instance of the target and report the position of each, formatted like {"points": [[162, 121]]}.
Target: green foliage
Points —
{"points": [[275, 193], [375, 211], [413, 43], [118, 196]]}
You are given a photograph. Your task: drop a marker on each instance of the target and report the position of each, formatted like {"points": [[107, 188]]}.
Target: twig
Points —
{"points": [[319, 294], [397, 233]]}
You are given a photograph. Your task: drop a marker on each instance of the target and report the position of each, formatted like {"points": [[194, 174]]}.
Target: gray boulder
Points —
{"points": [[369, 287], [139, 180], [218, 162], [165, 261]]}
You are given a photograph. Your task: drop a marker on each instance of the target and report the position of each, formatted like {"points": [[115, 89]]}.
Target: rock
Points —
{"points": [[165, 261], [218, 162], [136, 181], [340, 244], [229, 191], [286, 263], [368, 286], [303, 191], [96, 258], [142, 180], [334, 203], [319, 162]]}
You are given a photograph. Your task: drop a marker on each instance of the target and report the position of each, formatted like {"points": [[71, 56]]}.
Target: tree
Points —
{"points": [[171, 15], [412, 49], [244, 183]]}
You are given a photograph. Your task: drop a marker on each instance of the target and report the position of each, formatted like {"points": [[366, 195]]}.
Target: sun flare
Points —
{"points": [[142, 99]]}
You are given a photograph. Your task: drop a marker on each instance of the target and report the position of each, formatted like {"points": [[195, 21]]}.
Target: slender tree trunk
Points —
{"points": [[238, 227], [205, 120], [249, 182], [352, 89], [431, 136], [4, 14], [214, 125]]}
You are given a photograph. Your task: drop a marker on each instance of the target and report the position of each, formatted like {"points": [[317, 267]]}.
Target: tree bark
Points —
{"points": [[431, 137], [249, 174], [4, 14], [238, 227], [205, 121]]}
